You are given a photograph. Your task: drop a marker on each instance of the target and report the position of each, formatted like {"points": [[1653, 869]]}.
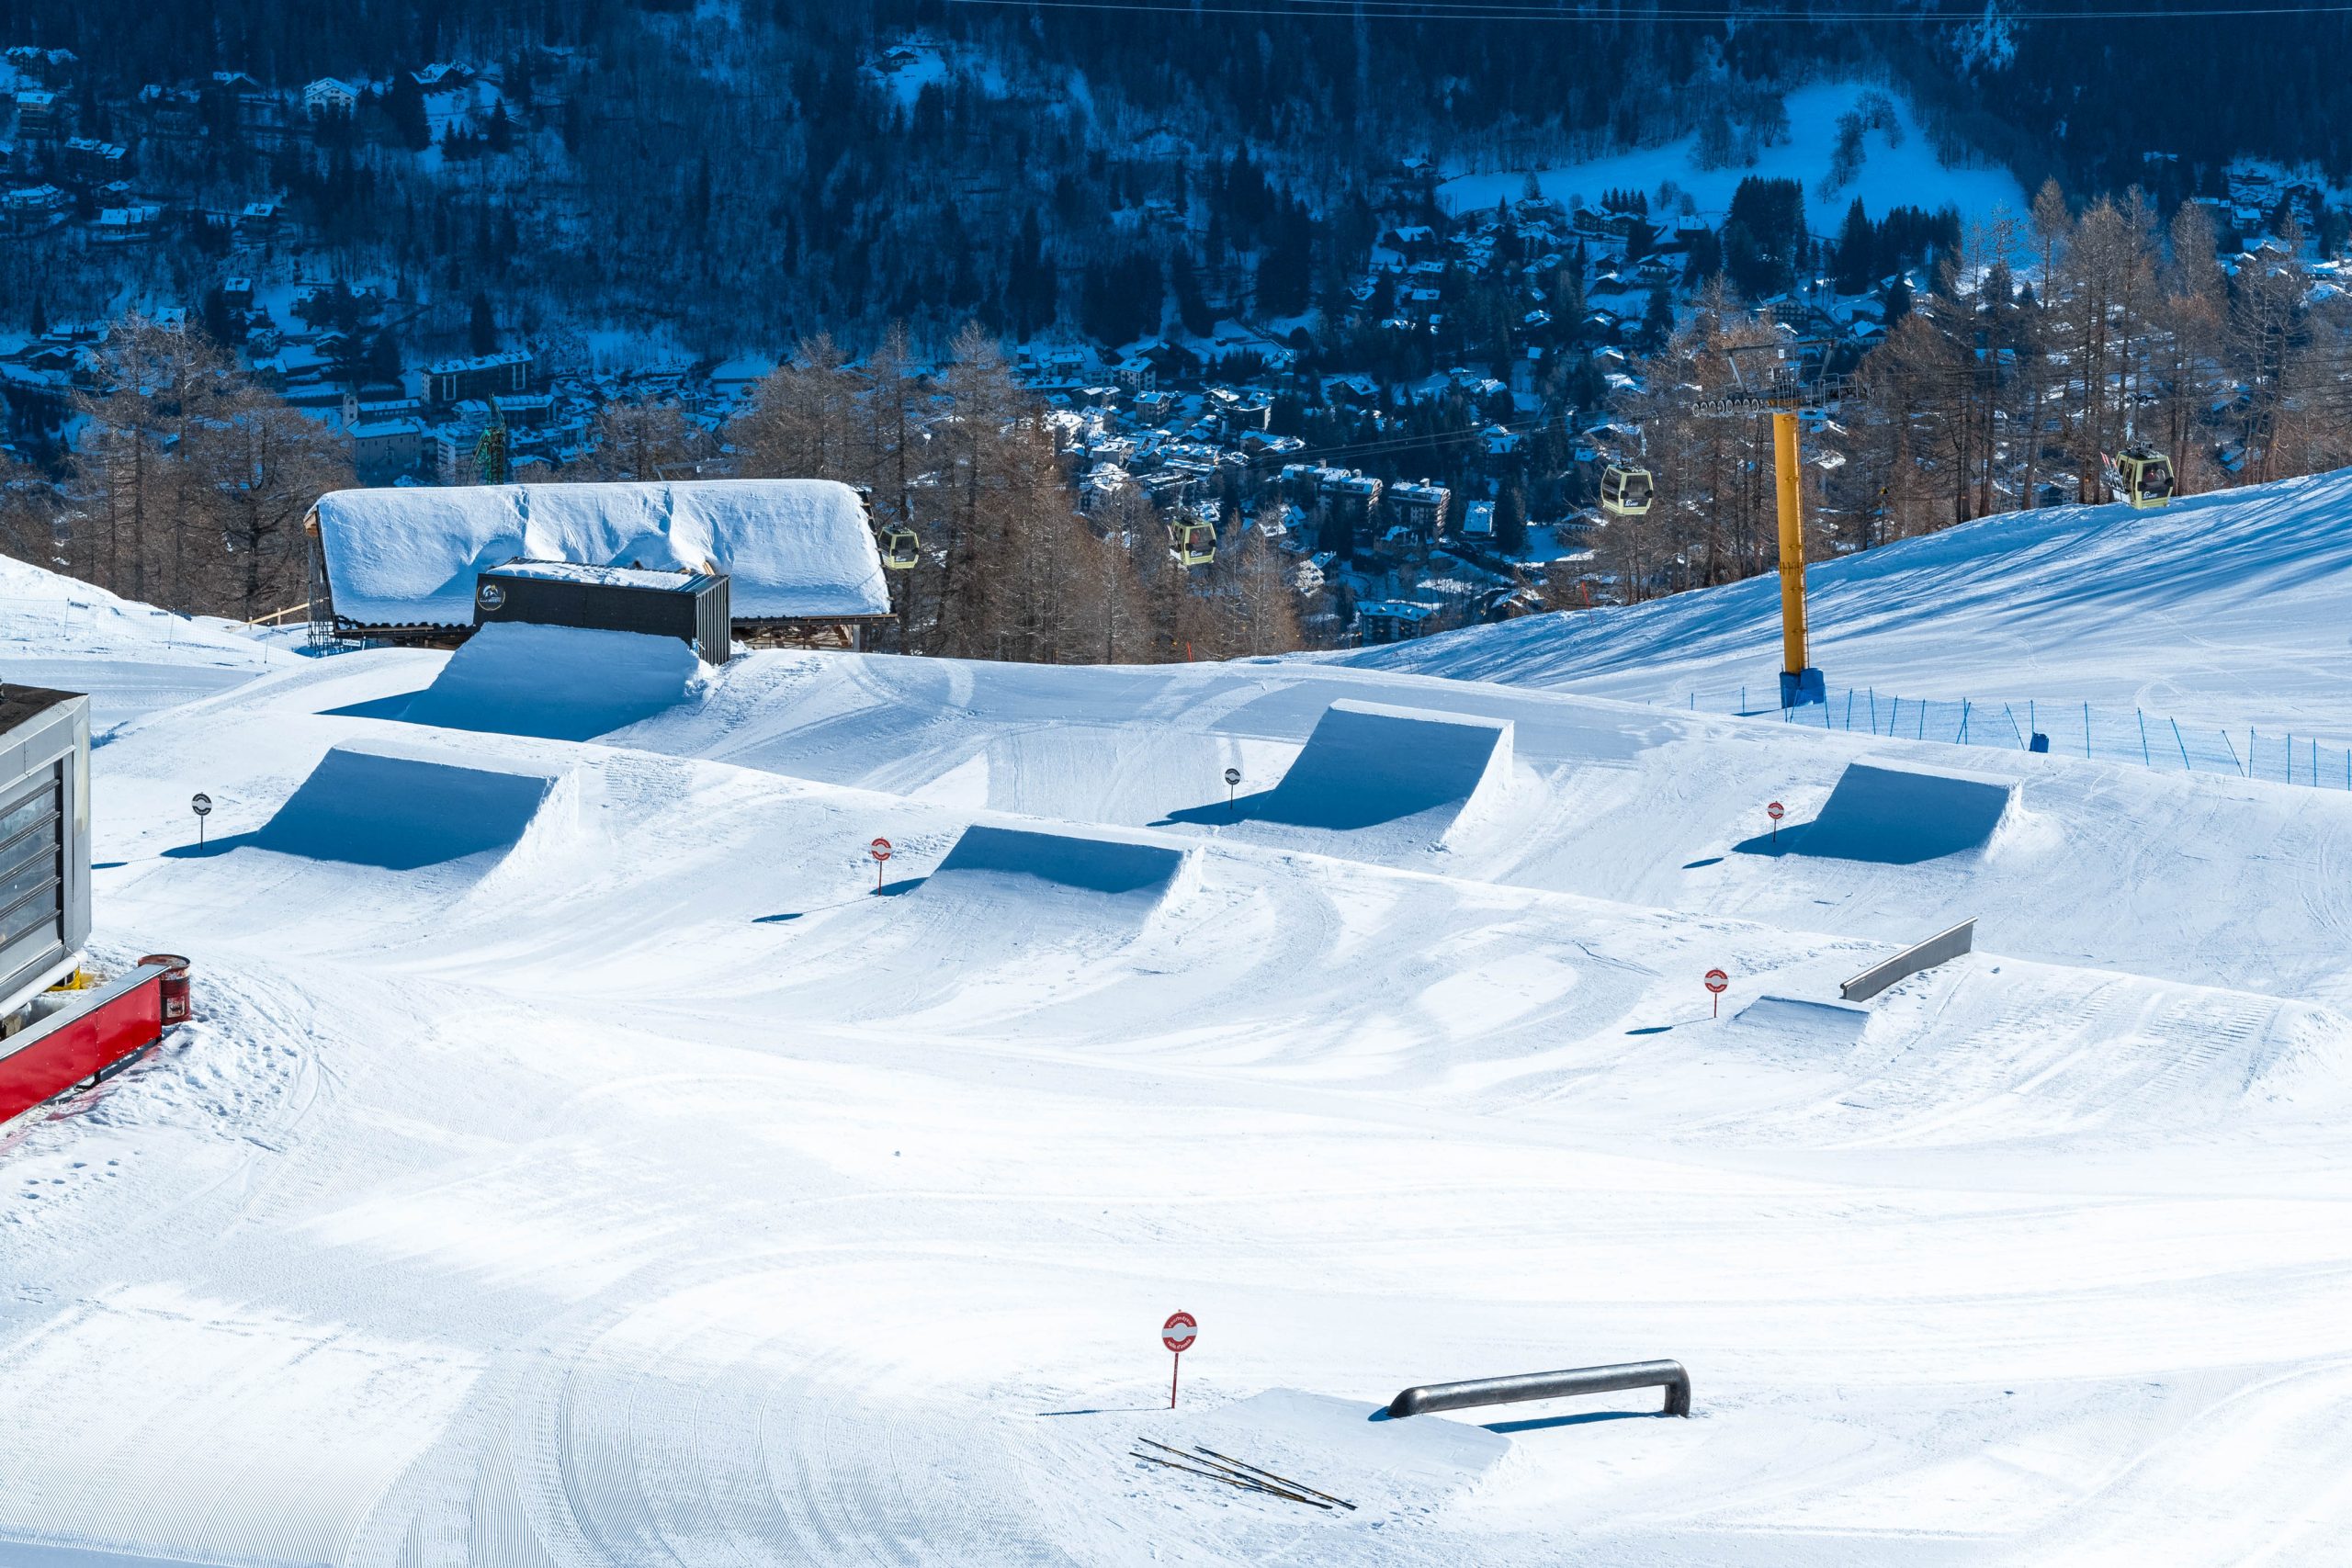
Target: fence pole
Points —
{"points": [[2010, 713], [1963, 721], [2087, 730], [1874, 728], [2184, 747], [1922, 720], [2033, 725], [1849, 710], [1824, 710], [1894, 716], [2234, 752], [2145, 760]]}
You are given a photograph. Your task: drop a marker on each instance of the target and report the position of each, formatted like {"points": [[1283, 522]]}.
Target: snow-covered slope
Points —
{"points": [[579, 1159], [131, 658], [2231, 608]]}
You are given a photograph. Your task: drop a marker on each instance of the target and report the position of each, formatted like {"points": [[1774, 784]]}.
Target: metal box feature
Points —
{"points": [[44, 838], [692, 605]]}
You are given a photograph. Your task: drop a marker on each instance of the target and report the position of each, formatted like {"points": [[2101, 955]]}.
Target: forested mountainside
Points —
{"points": [[739, 174]]}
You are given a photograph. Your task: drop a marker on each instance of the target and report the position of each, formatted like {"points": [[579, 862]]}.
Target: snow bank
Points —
{"points": [[1367, 763], [1903, 816], [401, 810], [790, 548], [560, 682]]}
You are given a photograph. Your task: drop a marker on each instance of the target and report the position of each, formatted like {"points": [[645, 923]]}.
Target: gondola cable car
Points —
{"points": [[2141, 477], [1625, 490], [1192, 544], [900, 548]]}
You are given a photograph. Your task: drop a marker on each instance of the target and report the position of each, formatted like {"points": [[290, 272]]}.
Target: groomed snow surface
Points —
{"points": [[579, 1159]]}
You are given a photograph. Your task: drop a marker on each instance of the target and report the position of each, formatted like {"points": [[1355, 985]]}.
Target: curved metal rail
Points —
{"points": [[1668, 1375]]}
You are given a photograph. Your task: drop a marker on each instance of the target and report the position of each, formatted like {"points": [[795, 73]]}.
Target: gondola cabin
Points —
{"points": [[1194, 544], [1625, 490], [2141, 477], [900, 549]]}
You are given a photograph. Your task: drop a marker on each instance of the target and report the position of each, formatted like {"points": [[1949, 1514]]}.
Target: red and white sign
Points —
{"points": [[1776, 811], [1718, 982], [1177, 1331], [880, 849]]}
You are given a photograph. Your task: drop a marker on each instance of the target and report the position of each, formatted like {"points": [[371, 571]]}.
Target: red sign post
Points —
{"points": [[1776, 811], [1717, 984], [880, 851], [1177, 1334]]}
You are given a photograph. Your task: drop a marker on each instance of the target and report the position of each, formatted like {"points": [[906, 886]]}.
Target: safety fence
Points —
{"points": [[2075, 729]]}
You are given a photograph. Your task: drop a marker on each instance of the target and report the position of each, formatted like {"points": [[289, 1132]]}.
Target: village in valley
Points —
{"points": [[1422, 440]]}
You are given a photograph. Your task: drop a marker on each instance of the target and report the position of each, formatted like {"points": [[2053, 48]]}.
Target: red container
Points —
{"points": [[175, 986]]}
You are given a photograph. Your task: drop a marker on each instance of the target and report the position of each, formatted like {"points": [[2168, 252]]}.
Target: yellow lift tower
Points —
{"points": [[1784, 379]]}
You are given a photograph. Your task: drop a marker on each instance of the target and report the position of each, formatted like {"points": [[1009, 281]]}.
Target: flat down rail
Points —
{"points": [[1668, 1375]]}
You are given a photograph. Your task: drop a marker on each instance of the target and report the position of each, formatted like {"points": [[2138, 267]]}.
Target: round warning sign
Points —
{"points": [[1776, 811], [1233, 775], [1718, 982], [880, 848], [202, 805], [1177, 1331]]}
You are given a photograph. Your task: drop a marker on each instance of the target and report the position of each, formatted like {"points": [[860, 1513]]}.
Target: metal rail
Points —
{"points": [[1668, 1375], [1940, 948]]}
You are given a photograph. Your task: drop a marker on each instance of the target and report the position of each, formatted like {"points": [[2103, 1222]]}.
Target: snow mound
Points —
{"points": [[1367, 764], [401, 810], [790, 548], [1117, 870], [1798, 1020], [1903, 816], [557, 683], [1345, 1447]]}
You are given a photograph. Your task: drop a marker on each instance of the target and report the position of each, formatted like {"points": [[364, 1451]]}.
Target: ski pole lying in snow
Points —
{"points": [[1243, 1482], [1261, 1470]]}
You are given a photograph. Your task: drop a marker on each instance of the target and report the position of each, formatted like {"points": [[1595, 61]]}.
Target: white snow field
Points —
{"points": [[2226, 609], [577, 1160]]}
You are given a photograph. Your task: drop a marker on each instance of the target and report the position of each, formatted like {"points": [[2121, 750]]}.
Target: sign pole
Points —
{"points": [[1232, 777], [1718, 983], [202, 806], [1177, 1334]]}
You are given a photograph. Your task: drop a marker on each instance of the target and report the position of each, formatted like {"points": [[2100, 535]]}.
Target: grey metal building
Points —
{"points": [[44, 838]]}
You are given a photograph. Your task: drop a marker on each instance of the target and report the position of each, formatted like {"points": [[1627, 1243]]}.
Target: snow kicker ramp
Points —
{"points": [[1099, 879], [401, 811], [1904, 815], [557, 683], [1367, 764]]}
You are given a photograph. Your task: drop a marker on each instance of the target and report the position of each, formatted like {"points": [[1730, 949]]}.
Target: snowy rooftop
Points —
{"points": [[795, 548]]}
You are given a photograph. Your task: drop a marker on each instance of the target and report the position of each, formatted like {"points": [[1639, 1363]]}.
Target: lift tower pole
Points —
{"points": [[1785, 379], [1789, 476]]}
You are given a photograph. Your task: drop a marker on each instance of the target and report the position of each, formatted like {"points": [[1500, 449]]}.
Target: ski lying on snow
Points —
{"points": [[1245, 1482], [1228, 1460]]}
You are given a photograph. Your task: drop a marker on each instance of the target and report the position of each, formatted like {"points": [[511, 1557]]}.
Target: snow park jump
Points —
{"points": [[577, 1159]]}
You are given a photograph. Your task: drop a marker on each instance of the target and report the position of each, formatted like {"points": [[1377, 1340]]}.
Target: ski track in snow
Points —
{"points": [[645, 1189]]}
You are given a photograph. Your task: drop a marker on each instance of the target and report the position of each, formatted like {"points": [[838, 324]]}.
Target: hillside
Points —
{"points": [[580, 1157], [2229, 609]]}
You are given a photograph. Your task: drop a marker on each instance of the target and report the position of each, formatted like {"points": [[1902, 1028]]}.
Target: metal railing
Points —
{"points": [[1668, 1375]]}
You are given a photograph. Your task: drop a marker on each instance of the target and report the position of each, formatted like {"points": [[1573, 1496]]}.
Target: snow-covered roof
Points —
{"points": [[794, 548]]}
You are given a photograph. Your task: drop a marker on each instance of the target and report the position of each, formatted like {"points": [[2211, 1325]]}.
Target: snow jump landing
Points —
{"points": [[401, 811], [555, 682], [1902, 815], [1368, 764], [1116, 872]]}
